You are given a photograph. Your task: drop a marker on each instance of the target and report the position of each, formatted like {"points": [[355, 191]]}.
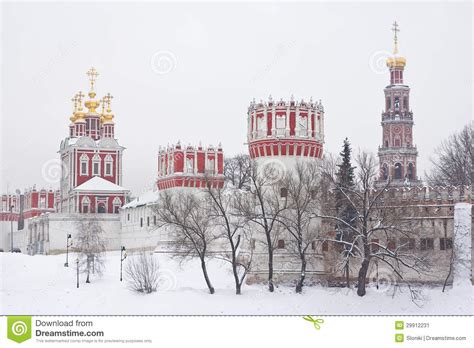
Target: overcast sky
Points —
{"points": [[189, 71]]}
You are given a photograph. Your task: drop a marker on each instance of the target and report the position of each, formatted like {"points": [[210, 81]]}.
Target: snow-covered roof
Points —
{"points": [[144, 199], [98, 184]]}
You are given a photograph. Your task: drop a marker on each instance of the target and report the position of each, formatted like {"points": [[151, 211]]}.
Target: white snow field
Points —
{"points": [[42, 285]]}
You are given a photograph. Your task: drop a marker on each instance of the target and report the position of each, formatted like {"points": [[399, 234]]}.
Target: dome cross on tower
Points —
{"points": [[108, 99], [92, 74], [75, 101], [79, 96], [395, 29]]}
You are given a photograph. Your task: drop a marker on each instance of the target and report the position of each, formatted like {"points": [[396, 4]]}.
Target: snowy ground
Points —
{"points": [[42, 285]]}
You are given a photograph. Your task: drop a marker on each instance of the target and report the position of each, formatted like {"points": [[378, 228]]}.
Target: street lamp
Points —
{"points": [[68, 244], [123, 256], [11, 227], [77, 272]]}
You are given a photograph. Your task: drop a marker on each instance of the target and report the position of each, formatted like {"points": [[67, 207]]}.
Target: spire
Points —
{"points": [[395, 37], [107, 113], [395, 61], [79, 113], [92, 74], [74, 111], [92, 104]]}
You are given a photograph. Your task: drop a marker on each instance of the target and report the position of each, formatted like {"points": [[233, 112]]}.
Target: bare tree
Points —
{"points": [[454, 159], [263, 205], [232, 228], [379, 223], [299, 221], [237, 171], [142, 272], [189, 217], [91, 246]]}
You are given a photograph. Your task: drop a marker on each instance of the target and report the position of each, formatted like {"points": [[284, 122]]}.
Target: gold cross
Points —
{"points": [[75, 100], [108, 99], [80, 95], [395, 37], [92, 73]]}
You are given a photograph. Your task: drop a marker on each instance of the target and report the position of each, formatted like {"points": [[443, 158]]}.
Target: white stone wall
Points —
{"points": [[47, 233], [462, 245]]}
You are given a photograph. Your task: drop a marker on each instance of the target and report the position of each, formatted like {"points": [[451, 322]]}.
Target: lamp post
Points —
{"points": [[123, 256], [68, 244], [11, 227], [77, 271]]}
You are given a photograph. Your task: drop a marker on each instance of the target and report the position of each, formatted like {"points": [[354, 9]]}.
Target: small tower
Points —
{"points": [[190, 167], [285, 131], [92, 117], [397, 155], [91, 158]]}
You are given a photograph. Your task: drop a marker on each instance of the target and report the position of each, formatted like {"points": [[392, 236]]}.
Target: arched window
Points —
{"points": [[101, 207], [386, 143], [116, 203], [398, 171], [280, 124], [96, 165], [303, 126], [411, 171], [84, 164], [109, 162], [384, 171], [85, 204], [189, 165], [210, 165], [262, 126]]}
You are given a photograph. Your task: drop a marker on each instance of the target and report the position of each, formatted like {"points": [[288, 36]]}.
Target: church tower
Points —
{"points": [[284, 132], [397, 155], [91, 158]]}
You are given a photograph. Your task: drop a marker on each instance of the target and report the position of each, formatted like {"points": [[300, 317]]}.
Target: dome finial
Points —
{"points": [[92, 104], [395, 37], [92, 73]]}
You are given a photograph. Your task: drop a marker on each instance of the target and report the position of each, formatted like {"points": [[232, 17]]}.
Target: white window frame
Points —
{"points": [[86, 202], [84, 159], [108, 164], [210, 165], [116, 203], [96, 160], [189, 165]]}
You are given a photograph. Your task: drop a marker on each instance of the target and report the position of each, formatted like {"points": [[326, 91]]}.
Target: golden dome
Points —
{"points": [[107, 115], [92, 104], [396, 61], [78, 111]]}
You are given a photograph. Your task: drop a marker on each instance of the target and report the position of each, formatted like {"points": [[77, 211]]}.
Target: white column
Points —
{"points": [[297, 121], [462, 241], [273, 121], [287, 121], [254, 123]]}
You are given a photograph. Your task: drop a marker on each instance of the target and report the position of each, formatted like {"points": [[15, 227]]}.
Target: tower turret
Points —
{"points": [[397, 155], [190, 166], [285, 131]]}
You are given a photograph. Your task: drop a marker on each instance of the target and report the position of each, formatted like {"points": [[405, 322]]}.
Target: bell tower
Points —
{"points": [[398, 154]]}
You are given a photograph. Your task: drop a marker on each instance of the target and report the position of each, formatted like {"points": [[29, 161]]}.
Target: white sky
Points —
{"points": [[224, 55]]}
